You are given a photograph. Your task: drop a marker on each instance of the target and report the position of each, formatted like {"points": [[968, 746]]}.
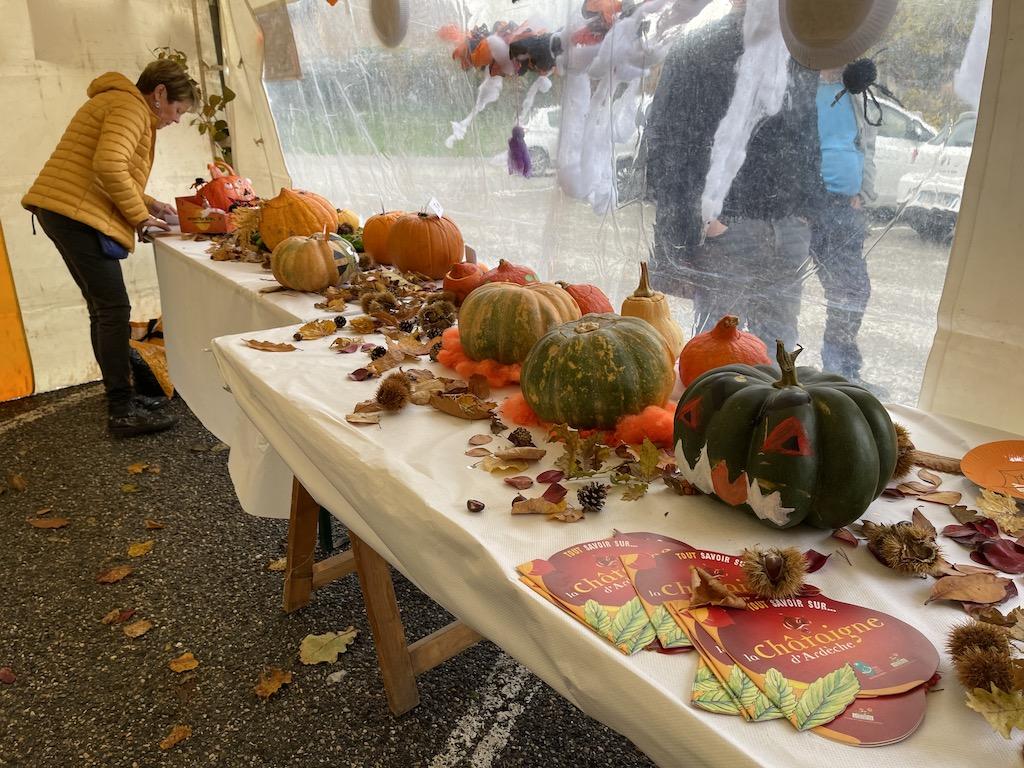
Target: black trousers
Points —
{"points": [[102, 284]]}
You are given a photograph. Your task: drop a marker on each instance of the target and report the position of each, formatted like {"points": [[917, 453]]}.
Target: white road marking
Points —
{"points": [[45, 410], [503, 698]]}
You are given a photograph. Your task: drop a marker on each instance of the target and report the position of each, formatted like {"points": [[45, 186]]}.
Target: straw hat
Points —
{"points": [[390, 20], [826, 34]]}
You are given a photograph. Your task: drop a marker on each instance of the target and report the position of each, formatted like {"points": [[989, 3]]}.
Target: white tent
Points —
{"points": [[51, 50]]}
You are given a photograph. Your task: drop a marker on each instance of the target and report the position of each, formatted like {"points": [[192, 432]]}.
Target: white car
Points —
{"points": [[900, 136], [930, 193]]}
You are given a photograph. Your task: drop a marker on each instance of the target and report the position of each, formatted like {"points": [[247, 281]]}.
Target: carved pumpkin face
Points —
{"points": [[227, 192]]}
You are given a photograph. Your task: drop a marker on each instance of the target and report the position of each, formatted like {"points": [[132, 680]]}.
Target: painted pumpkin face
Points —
{"points": [[816, 449]]}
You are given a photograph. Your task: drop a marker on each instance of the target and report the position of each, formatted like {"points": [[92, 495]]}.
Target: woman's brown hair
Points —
{"points": [[171, 75]]}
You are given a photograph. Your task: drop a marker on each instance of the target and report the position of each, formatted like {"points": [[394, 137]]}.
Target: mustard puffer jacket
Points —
{"points": [[97, 174]]}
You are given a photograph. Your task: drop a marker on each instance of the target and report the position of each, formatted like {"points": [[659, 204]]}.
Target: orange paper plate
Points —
{"points": [[997, 466]]}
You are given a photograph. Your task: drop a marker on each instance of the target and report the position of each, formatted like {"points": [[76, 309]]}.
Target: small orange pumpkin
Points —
{"points": [[590, 298], [425, 243], [507, 272], [304, 263], [725, 344], [375, 234], [463, 278], [295, 212]]}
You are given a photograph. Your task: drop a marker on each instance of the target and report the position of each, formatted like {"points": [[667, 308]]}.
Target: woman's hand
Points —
{"points": [[164, 211], [151, 223]]}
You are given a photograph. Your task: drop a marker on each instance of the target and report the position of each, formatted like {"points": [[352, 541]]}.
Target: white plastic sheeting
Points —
{"points": [[367, 127]]}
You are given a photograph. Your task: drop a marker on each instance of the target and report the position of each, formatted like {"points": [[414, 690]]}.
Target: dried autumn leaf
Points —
{"points": [[815, 560], [392, 359], [1002, 554], [973, 588], [324, 649], [555, 493], [361, 374], [271, 681], [140, 548], [278, 565], [153, 525], [551, 476], [363, 418], [570, 515], [519, 482], [16, 482], [538, 506], [527, 453], [1003, 510], [494, 464], [362, 324], [1003, 711], [138, 628], [129, 488], [7, 676], [183, 663], [948, 498], [368, 406], [412, 346], [115, 574], [47, 522], [178, 734], [137, 468], [973, 532], [44, 511], [992, 615], [705, 589], [963, 515], [476, 453], [479, 386], [416, 375], [913, 488], [481, 439], [269, 346], [111, 617], [917, 518], [929, 477], [846, 536], [317, 329], [964, 568], [463, 406]]}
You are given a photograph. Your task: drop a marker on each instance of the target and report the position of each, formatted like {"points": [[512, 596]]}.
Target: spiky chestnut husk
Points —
{"points": [[520, 437], [983, 668], [774, 572], [434, 311], [365, 262], [592, 496], [378, 352], [904, 547], [407, 326], [977, 634], [904, 452], [441, 296], [434, 330], [378, 301], [393, 392]]}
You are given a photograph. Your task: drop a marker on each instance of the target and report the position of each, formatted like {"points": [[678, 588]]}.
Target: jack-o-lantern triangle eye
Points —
{"points": [[689, 414], [788, 438]]}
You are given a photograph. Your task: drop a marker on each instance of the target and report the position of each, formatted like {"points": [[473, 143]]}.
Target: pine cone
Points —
{"points": [[592, 496], [407, 326], [378, 352], [340, 321], [520, 437]]}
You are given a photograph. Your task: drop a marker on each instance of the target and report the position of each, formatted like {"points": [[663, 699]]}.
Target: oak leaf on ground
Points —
{"points": [[178, 734], [324, 649], [270, 682]]}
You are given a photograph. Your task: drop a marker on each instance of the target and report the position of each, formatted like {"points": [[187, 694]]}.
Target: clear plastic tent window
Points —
{"points": [[681, 133]]}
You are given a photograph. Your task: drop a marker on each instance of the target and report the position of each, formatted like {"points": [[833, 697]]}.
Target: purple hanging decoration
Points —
{"points": [[518, 154]]}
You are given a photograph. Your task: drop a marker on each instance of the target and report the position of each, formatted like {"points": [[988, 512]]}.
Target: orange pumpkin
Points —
{"points": [[375, 235], [304, 263], [463, 278], [295, 212], [725, 344], [425, 243], [590, 298], [507, 272]]}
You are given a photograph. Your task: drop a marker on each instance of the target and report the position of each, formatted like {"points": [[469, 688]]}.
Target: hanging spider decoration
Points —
{"points": [[858, 78]]}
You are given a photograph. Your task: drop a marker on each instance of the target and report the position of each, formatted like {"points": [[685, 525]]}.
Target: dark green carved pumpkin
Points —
{"points": [[808, 447]]}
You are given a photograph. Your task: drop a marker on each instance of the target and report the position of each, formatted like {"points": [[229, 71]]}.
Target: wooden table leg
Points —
{"points": [[396, 667], [298, 576]]}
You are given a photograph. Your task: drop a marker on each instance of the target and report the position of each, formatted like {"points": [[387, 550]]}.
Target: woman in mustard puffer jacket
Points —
{"points": [[91, 202]]}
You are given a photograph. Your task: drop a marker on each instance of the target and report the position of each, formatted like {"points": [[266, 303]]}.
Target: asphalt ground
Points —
{"points": [[87, 695]]}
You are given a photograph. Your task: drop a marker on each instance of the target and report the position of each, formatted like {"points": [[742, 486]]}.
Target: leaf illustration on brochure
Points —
{"points": [[588, 581], [709, 694]]}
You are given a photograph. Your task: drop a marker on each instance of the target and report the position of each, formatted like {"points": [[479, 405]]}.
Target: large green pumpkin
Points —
{"points": [[806, 447], [502, 321], [590, 372]]}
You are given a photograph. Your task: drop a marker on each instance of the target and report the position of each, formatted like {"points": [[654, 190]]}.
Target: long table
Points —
{"points": [[401, 488], [202, 299]]}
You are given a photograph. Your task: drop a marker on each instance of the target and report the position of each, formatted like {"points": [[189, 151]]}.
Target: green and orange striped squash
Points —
{"points": [[295, 212], [502, 321], [588, 373]]}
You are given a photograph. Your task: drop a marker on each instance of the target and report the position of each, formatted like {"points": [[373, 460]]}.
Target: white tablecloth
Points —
{"points": [[403, 487], [202, 299]]}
